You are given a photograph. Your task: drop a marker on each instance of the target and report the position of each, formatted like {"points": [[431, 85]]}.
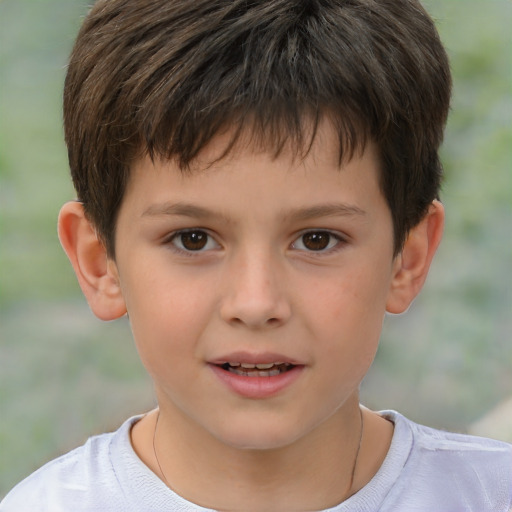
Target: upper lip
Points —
{"points": [[254, 358]]}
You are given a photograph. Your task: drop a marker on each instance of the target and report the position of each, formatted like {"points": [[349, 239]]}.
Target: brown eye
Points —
{"points": [[193, 241], [316, 241]]}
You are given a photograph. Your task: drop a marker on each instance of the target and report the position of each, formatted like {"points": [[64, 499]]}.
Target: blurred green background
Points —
{"points": [[64, 375]]}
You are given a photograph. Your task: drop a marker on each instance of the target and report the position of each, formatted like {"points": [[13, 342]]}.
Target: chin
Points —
{"points": [[258, 436]]}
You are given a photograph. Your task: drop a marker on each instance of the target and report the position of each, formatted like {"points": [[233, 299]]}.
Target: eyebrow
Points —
{"points": [[297, 214], [182, 210], [325, 210]]}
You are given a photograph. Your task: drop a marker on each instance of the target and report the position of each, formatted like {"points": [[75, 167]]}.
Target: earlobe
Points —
{"points": [[411, 266], [97, 274]]}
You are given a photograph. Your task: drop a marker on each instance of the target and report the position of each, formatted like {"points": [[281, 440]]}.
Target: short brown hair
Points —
{"points": [[164, 76]]}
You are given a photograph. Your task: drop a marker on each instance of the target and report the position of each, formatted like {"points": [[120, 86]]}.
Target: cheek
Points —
{"points": [[167, 315], [356, 297], [348, 313]]}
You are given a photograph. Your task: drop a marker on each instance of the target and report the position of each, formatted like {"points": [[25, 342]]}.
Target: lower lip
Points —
{"points": [[257, 387]]}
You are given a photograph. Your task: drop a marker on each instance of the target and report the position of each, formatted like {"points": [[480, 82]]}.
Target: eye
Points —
{"points": [[317, 241], [193, 240]]}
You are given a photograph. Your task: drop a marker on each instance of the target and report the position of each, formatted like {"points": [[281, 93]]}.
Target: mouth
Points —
{"points": [[257, 376], [256, 370]]}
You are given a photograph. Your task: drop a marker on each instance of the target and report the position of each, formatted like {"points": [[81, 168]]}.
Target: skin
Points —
{"points": [[257, 286]]}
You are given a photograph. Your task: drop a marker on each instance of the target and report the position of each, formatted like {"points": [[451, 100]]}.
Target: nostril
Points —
{"points": [[255, 312], [255, 324]]}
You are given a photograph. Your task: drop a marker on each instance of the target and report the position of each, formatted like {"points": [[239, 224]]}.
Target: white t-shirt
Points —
{"points": [[425, 470]]}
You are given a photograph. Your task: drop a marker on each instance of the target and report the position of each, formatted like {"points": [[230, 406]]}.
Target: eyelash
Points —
{"points": [[170, 241], [339, 241]]}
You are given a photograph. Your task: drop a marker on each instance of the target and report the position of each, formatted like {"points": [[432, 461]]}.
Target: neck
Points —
{"points": [[314, 472]]}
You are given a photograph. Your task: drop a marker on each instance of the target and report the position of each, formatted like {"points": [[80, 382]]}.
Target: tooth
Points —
{"points": [[240, 371], [264, 366], [234, 365], [247, 365]]}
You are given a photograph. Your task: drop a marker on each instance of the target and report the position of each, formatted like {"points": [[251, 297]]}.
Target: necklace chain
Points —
{"points": [[352, 475], [356, 458], [154, 451]]}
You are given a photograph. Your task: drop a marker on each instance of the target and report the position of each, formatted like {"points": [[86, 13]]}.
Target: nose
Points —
{"points": [[255, 293]]}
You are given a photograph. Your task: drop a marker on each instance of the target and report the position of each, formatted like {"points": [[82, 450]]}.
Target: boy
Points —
{"points": [[257, 186]]}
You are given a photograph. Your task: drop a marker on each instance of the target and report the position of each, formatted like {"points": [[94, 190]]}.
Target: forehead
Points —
{"points": [[247, 177]]}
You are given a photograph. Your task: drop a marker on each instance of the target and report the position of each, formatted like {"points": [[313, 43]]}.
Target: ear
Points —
{"points": [[96, 273], [412, 264]]}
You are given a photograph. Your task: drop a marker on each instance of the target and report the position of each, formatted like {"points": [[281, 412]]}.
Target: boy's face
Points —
{"points": [[256, 260]]}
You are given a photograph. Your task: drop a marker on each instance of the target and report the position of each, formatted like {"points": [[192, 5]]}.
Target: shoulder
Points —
{"points": [[75, 481], [466, 472]]}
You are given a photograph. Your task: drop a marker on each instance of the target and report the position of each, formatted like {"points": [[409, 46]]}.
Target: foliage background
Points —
{"points": [[64, 375]]}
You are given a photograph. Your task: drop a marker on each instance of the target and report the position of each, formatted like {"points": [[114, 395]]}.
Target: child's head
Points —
{"points": [[260, 165], [164, 78]]}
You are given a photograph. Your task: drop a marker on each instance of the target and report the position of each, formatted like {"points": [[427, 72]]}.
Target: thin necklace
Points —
{"points": [[356, 458], [154, 451], [351, 483]]}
